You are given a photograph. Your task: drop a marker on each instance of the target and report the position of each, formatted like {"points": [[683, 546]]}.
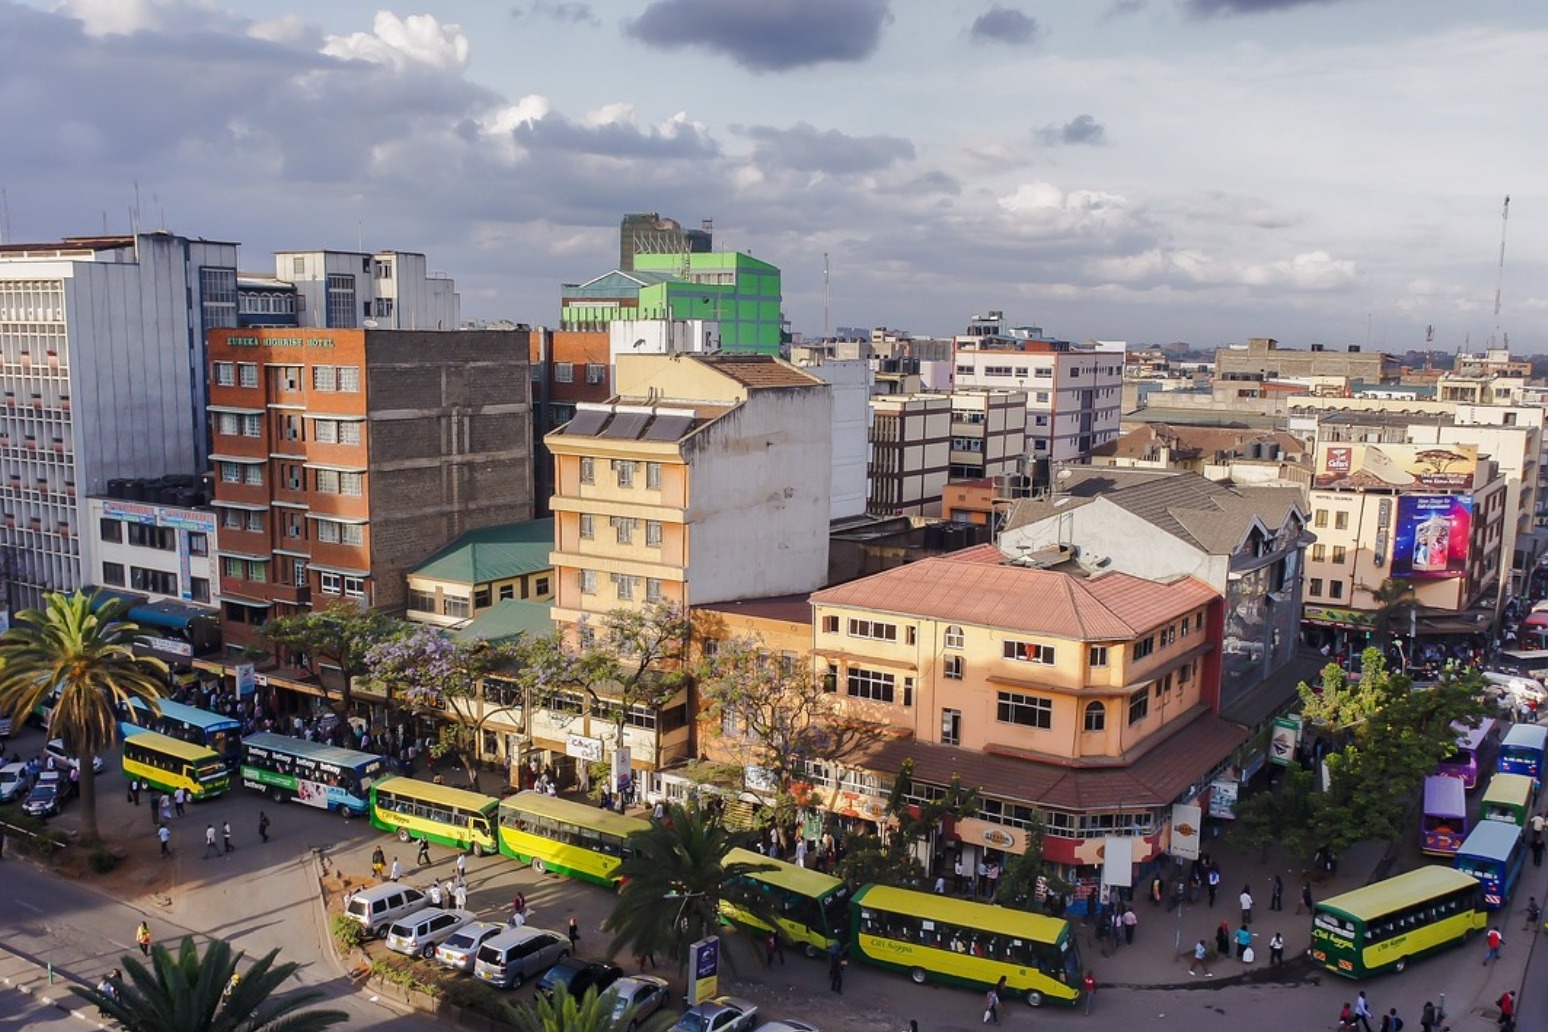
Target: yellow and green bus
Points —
{"points": [[1383, 926], [453, 817], [1508, 798], [566, 837], [971, 944], [169, 764], [811, 908]]}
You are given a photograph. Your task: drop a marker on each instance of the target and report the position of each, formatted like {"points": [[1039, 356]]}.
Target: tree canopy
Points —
{"points": [[341, 633]]}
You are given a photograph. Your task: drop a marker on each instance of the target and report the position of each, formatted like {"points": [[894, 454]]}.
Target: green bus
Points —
{"points": [[1508, 798], [972, 944], [811, 908], [1383, 926], [167, 763], [566, 837], [452, 817]]}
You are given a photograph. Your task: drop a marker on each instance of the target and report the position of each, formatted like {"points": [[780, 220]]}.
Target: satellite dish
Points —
{"points": [[370, 324]]}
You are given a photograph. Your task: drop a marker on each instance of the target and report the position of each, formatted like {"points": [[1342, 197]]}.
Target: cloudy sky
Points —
{"points": [[1151, 170]]}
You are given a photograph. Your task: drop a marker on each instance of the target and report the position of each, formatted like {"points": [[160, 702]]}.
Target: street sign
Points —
{"points": [[704, 955]]}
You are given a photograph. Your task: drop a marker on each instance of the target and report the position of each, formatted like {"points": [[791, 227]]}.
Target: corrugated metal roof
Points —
{"points": [[492, 553]]}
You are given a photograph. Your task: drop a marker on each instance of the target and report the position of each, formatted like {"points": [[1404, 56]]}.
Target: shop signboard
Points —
{"points": [[581, 747], [1449, 467], [1222, 799], [1432, 535], [1284, 739], [1186, 820]]}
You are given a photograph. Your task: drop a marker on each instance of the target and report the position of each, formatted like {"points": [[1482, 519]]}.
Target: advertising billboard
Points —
{"points": [[1431, 538], [1449, 467]]}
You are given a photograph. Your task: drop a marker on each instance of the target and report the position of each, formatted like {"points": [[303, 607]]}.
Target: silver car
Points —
{"points": [[14, 782], [518, 954], [643, 994], [461, 950], [421, 932]]}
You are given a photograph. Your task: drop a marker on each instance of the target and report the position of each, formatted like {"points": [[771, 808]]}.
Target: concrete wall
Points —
{"points": [[851, 383], [1134, 545]]}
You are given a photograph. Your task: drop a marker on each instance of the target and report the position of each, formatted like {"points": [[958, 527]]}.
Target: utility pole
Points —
{"points": [[1499, 283]]}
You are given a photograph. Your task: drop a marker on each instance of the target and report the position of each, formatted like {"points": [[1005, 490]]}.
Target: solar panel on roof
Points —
{"points": [[627, 425], [668, 428], [586, 422]]}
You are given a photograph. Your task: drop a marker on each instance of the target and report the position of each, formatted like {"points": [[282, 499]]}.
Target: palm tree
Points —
{"points": [[1395, 600], [187, 993], [85, 649], [589, 1013], [675, 876]]}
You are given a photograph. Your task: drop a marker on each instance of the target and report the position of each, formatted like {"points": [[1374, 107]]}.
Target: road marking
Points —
{"points": [[29, 906]]}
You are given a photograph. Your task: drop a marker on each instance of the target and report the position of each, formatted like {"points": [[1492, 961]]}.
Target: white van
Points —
{"points": [[512, 956], [1514, 688], [380, 905], [421, 932]]}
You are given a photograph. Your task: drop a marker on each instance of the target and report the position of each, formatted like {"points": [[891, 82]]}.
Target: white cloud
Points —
{"points": [[126, 17], [420, 39], [1313, 270]]}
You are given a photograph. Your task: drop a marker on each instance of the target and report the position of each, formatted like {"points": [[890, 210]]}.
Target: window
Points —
{"points": [[1319, 553], [1095, 717], [1338, 554], [588, 526], [623, 584], [324, 378], [287, 378], [1320, 518], [540, 586], [830, 625], [349, 379], [1335, 589], [335, 533], [352, 484], [564, 372], [653, 533], [158, 582], [113, 573], [1097, 655], [247, 374], [951, 727], [1315, 587], [596, 372], [1144, 647], [623, 529], [1341, 521], [952, 668], [421, 600], [588, 470], [653, 476], [198, 544], [327, 481], [588, 581], [623, 469], [1184, 674], [653, 592], [1028, 652], [875, 685], [873, 629], [1139, 706], [1026, 710], [110, 529], [225, 374], [199, 588], [339, 300], [954, 638]]}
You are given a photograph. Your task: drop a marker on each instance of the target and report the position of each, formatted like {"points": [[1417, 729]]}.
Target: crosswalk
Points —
{"points": [[40, 1000]]}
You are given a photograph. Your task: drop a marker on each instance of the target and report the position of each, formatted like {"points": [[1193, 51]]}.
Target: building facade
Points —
{"points": [[1263, 359], [101, 364], [389, 290], [910, 453], [344, 457], [482, 568], [988, 433]]}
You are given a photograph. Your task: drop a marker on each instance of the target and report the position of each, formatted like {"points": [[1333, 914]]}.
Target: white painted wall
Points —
{"points": [[852, 381], [1135, 546], [182, 563]]}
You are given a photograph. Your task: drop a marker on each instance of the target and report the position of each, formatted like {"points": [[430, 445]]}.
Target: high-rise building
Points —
{"points": [[102, 368], [345, 457], [389, 290]]}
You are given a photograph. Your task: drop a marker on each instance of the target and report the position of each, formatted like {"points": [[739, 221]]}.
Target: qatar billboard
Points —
{"points": [[1432, 535]]}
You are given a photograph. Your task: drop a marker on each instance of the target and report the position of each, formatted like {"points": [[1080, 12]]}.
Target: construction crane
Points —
{"points": [[1499, 283]]}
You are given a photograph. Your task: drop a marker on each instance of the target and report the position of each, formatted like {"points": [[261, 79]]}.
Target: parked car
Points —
{"points": [[722, 1014], [460, 951], [56, 749], [376, 908], [421, 932], [5, 726], [644, 995], [47, 797], [788, 1025], [14, 782], [579, 975], [513, 956]]}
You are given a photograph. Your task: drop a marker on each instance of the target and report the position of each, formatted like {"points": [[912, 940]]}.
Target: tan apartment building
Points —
{"points": [[910, 453], [988, 432]]}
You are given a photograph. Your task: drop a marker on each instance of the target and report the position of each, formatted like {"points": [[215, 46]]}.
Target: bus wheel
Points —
{"points": [[276, 795], [810, 950], [1034, 998], [344, 811], [403, 835], [1401, 965], [918, 975], [539, 866], [478, 849]]}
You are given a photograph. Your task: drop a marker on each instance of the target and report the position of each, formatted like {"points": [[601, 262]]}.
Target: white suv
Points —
{"points": [[14, 782]]}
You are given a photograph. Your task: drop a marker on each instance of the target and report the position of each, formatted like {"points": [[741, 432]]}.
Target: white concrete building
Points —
{"points": [[852, 382], [988, 432], [102, 368], [910, 453], [165, 552], [1074, 395], [389, 290]]}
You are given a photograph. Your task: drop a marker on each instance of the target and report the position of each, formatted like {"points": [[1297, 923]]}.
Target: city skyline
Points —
{"points": [[1323, 171]]}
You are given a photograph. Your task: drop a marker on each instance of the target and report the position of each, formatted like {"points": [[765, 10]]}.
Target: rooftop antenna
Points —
{"points": [[135, 215], [1499, 284], [5, 217], [825, 295]]}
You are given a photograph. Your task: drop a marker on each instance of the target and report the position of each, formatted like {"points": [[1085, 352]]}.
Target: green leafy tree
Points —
{"points": [[1285, 814], [342, 633], [83, 647], [675, 876], [186, 992], [1028, 870], [589, 1013], [889, 856], [775, 714]]}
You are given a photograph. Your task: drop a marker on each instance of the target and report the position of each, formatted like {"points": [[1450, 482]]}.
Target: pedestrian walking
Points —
{"points": [[1276, 950], [1390, 1022], [519, 904], [1427, 1017], [1212, 881], [462, 864], [992, 1002], [1306, 899], [1507, 1005], [378, 863], [1223, 940], [133, 792], [956, 876], [574, 929], [773, 948], [1130, 920], [263, 826], [1246, 901], [397, 869], [1346, 1020], [461, 892], [142, 938], [1537, 851], [1200, 959], [1243, 942], [836, 970], [209, 841], [179, 799], [423, 859], [448, 891], [1494, 940], [1362, 1011], [225, 834], [434, 894], [1089, 985], [166, 808], [1533, 913], [1277, 896], [164, 833]]}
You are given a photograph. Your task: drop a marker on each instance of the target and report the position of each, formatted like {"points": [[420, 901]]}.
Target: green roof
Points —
{"points": [[492, 554], [508, 618]]}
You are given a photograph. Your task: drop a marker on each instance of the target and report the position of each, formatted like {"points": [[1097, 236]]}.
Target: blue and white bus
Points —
{"points": [[221, 735], [311, 773], [1522, 751], [1493, 853]]}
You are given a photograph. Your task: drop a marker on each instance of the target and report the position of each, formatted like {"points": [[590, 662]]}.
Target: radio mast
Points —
{"points": [[1499, 283]]}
